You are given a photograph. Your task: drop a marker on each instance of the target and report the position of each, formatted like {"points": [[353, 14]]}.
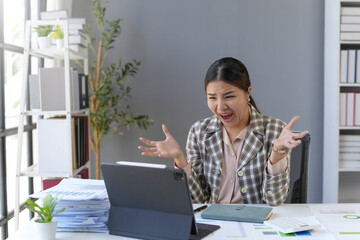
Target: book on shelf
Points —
{"points": [[347, 27], [349, 138], [350, 19], [349, 144], [350, 10], [79, 49], [350, 36], [349, 66], [53, 15], [349, 156], [349, 149], [349, 109], [349, 163]]}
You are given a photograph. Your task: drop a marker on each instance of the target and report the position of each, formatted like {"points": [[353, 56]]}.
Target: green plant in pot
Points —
{"points": [[43, 32], [58, 35], [46, 223], [109, 90]]}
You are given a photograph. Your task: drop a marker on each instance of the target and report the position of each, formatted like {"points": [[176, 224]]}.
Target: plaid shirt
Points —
{"points": [[205, 153]]}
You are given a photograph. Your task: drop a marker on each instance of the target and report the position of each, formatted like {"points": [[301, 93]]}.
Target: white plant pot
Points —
{"points": [[59, 43], [44, 42], [46, 231]]}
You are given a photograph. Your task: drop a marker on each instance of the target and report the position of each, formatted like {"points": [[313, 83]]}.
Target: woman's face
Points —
{"points": [[228, 103]]}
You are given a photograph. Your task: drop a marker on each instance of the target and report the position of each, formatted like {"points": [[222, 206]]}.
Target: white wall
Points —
{"points": [[280, 41]]}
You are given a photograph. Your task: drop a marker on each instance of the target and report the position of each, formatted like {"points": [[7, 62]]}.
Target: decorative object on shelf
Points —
{"points": [[109, 110], [46, 224], [43, 36], [58, 35]]}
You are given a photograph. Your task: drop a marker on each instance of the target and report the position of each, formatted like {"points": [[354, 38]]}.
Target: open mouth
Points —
{"points": [[226, 116]]}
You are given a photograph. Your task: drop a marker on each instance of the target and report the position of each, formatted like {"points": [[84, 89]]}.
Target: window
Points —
{"points": [[12, 24]]}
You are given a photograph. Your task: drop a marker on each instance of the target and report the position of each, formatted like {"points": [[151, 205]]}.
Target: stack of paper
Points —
{"points": [[86, 202]]}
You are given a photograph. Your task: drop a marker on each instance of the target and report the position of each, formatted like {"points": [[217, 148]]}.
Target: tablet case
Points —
{"points": [[148, 203], [240, 213]]}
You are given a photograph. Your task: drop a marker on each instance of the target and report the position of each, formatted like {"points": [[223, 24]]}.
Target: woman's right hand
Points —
{"points": [[169, 148]]}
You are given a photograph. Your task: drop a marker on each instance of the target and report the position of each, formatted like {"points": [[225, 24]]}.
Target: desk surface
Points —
{"points": [[291, 210]]}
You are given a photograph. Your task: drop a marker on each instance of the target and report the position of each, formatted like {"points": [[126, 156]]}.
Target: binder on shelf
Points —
{"points": [[350, 109], [34, 91], [75, 90], [52, 147], [83, 91], [343, 66], [351, 66], [342, 109], [52, 89]]}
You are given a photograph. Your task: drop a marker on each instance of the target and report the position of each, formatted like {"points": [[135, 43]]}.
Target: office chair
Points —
{"points": [[299, 172]]}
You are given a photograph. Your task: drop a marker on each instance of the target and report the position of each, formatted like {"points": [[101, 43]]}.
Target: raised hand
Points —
{"points": [[168, 148], [288, 139]]}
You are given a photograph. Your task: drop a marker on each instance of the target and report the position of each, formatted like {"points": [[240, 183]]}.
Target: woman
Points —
{"points": [[237, 155]]}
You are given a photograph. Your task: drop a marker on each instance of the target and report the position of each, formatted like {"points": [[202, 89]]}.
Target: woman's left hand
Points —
{"points": [[288, 139]]}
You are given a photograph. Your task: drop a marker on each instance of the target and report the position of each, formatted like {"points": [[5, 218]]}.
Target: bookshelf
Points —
{"points": [[341, 181], [61, 58]]}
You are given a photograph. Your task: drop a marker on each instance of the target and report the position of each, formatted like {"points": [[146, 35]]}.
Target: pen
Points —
{"points": [[199, 209]]}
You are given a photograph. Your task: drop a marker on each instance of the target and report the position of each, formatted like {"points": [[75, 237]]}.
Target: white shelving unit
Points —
{"points": [[58, 55], [339, 184]]}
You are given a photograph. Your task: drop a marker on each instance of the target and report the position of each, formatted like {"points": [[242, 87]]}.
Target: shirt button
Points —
{"points": [[244, 190], [240, 173], [270, 192]]}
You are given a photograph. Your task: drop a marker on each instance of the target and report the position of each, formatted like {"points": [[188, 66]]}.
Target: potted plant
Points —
{"points": [[46, 223], [109, 90], [58, 35], [43, 35]]}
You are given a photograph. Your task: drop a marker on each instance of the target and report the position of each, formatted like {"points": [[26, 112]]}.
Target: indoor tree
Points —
{"points": [[109, 89]]}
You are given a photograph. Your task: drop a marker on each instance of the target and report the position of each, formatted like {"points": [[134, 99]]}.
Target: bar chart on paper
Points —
{"points": [[243, 230], [342, 220]]}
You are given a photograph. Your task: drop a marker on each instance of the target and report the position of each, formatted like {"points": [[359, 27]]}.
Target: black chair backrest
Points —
{"points": [[299, 172]]}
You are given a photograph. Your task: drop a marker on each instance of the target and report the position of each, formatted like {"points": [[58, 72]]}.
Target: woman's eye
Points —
{"points": [[211, 98]]}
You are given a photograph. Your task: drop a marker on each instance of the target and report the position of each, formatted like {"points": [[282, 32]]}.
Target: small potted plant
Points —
{"points": [[46, 223], [58, 35], [43, 35]]}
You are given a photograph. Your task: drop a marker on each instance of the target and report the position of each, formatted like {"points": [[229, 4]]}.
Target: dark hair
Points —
{"points": [[232, 71]]}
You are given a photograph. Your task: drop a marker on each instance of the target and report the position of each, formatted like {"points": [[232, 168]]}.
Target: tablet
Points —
{"points": [[150, 203]]}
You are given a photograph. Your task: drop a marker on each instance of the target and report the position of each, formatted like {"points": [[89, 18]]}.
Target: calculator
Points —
{"points": [[288, 225]]}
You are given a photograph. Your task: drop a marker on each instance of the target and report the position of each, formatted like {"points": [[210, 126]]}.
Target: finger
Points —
{"points": [[145, 149], [294, 144], [300, 135], [148, 142], [292, 122], [166, 131]]}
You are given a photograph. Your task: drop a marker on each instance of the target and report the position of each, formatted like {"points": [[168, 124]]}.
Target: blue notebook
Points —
{"points": [[239, 213]]}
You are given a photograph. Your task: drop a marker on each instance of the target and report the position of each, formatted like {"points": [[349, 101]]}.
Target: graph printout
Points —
{"points": [[342, 220]]}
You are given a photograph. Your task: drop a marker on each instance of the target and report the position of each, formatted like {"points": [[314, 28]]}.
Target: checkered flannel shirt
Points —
{"points": [[205, 153]]}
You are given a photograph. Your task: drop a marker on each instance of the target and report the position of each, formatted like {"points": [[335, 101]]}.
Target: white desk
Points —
{"points": [[293, 210]]}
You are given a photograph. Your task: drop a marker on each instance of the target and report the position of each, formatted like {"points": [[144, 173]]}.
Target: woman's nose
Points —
{"points": [[221, 105]]}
